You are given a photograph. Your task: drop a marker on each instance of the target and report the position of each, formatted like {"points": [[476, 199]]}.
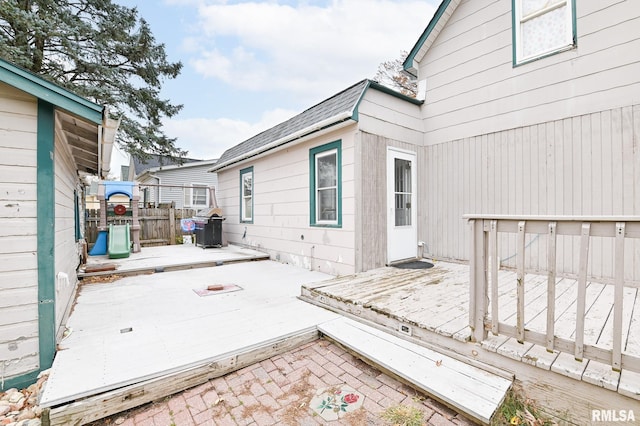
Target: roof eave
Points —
{"points": [[50, 92], [178, 166], [296, 136]]}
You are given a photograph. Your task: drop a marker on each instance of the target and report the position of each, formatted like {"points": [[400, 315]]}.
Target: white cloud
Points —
{"points": [[316, 50], [208, 138]]}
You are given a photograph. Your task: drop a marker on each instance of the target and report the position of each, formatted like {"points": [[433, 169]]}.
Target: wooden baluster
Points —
{"points": [[551, 286], [582, 290], [494, 266], [520, 260], [618, 297], [478, 284]]}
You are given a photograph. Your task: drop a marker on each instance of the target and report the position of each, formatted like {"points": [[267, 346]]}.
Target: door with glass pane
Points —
{"points": [[402, 235]]}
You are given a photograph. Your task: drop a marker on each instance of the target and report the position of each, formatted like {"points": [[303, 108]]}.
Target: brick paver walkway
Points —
{"points": [[277, 392]]}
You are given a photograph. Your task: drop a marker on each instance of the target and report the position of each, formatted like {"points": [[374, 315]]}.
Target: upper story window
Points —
{"points": [[196, 195], [325, 164], [542, 27], [246, 195]]}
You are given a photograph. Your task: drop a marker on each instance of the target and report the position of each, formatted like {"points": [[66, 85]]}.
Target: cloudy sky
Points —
{"points": [[249, 65]]}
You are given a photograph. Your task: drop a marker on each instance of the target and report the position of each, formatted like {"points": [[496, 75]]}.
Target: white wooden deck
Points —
{"points": [[437, 300], [147, 326]]}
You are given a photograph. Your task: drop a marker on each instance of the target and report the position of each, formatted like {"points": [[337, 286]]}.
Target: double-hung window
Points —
{"points": [[325, 164], [196, 196], [246, 195], [541, 28]]}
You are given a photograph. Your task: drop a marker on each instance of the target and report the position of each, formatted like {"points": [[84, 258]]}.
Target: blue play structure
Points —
{"points": [[119, 245]]}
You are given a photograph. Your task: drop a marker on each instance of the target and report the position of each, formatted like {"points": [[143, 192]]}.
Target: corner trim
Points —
{"points": [[46, 233]]}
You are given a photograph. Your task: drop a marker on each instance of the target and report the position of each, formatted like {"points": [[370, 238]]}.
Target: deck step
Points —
{"points": [[472, 391]]}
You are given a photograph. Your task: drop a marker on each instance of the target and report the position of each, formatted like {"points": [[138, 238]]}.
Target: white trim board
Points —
{"points": [[470, 390]]}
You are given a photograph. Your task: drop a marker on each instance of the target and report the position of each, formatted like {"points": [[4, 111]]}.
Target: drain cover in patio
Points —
{"points": [[335, 402], [223, 288]]}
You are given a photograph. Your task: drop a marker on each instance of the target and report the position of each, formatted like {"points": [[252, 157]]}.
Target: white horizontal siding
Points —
{"points": [[18, 233], [583, 165], [281, 208], [472, 87], [181, 176], [388, 116]]}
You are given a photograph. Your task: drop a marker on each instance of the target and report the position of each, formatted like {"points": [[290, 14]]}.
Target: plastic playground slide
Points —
{"points": [[119, 241]]}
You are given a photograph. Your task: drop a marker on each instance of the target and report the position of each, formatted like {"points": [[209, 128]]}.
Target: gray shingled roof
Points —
{"points": [[345, 101], [157, 161]]}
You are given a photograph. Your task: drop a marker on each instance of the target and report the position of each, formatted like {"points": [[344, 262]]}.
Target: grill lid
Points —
{"points": [[209, 212]]}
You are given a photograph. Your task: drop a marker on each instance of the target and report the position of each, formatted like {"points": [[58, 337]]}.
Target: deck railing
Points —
{"points": [[485, 264]]}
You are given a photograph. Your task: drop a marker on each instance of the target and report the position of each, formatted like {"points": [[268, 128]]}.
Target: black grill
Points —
{"points": [[208, 228]]}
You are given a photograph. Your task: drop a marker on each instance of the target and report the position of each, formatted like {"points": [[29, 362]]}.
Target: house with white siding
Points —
{"points": [[184, 182], [525, 108], [312, 191], [49, 139]]}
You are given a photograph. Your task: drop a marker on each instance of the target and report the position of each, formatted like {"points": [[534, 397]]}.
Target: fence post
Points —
{"points": [[172, 226]]}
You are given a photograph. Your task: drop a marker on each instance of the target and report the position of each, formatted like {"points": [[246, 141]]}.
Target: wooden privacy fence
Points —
{"points": [[158, 226], [484, 313]]}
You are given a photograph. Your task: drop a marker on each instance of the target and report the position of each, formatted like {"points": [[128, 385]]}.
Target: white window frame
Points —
{"points": [[244, 218], [318, 156], [570, 36], [189, 195], [316, 153]]}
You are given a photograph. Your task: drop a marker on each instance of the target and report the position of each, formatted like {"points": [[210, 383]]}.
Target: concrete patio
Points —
{"points": [[147, 327]]}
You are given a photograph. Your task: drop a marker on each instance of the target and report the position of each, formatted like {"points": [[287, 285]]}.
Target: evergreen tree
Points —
{"points": [[101, 51]]}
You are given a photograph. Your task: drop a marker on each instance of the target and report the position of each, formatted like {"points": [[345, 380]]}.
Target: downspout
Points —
{"points": [[106, 138], [158, 195]]}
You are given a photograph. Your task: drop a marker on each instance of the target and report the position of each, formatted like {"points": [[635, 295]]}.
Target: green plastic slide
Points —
{"points": [[119, 241]]}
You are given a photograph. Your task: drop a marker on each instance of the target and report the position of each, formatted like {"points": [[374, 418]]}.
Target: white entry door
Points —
{"points": [[402, 231]]}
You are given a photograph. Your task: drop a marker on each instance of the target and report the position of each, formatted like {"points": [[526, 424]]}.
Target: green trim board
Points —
{"points": [[571, 4], [20, 382], [408, 62], [50, 92], [244, 172], [46, 233], [76, 215], [313, 152]]}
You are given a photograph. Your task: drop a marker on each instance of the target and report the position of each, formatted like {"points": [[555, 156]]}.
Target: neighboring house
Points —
{"points": [[529, 108], [163, 180], [50, 139]]}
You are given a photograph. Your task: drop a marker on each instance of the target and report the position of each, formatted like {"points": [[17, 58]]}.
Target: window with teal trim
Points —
{"points": [[76, 215], [246, 195], [325, 165], [542, 28]]}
